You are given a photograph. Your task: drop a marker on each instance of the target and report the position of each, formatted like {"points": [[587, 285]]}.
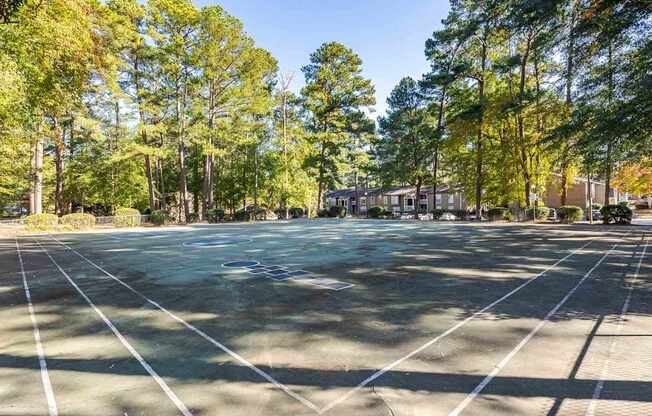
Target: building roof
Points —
{"points": [[395, 191]]}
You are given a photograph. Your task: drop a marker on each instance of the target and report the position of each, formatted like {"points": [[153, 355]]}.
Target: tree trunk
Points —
{"points": [[570, 57], [161, 183], [521, 128], [181, 149], [608, 161], [36, 194], [320, 179], [589, 207], [150, 183], [435, 167], [255, 180], [59, 148], [417, 198], [358, 204], [478, 160], [286, 179]]}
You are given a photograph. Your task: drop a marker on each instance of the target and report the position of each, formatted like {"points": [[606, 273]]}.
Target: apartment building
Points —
{"points": [[399, 199]]}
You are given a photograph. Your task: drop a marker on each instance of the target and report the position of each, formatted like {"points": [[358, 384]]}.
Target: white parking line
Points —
{"points": [[447, 332], [173, 397], [199, 332], [497, 369], [590, 411], [45, 377]]}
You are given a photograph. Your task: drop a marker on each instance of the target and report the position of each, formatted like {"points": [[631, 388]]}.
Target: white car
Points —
{"points": [[447, 216]]}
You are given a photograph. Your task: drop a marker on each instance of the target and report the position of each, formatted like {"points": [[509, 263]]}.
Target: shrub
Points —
{"points": [[192, 217], [215, 215], [497, 213], [126, 217], [509, 216], [616, 214], [336, 211], [322, 213], [159, 217], [295, 212], [376, 212], [78, 221], [542, 213], [624, 203], [569, 214], [41, 221], [437, 213], [596, 206]]}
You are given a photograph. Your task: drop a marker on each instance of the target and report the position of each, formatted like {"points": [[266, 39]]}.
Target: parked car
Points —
{"points": [[595, 214], [447, 216]]}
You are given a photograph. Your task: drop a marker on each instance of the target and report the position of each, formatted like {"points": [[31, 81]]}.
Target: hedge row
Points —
{"points": [[126, 217], [569, 214], [332, 212], [616, 214]]}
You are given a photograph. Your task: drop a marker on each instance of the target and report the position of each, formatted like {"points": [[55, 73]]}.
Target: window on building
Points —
{"points": [[451, 200], [387, 199], [394, 200], [438, 201], [363, 201], [410, 202]]}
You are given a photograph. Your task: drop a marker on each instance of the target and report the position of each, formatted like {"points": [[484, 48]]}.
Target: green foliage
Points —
{"points": [[159, 217], [405, 147], [542, 213], [296, 212], [337, 212], [334, 98], [376, 212], [41, 222], [498, 213], [323, 213], [569, 214], [78, 221], [192, 218], [215, 215], [616, 214], [126, 217]]}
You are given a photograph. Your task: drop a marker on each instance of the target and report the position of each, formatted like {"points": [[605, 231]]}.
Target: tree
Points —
{"points": [[334, 94], [404, 147], [174, 26]]}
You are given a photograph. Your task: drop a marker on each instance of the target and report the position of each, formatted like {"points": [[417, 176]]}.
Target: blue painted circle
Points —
{"points": [[240, 264]]}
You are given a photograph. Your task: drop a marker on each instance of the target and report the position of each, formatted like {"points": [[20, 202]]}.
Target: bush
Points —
{"points": [[376, 212], [624, 203], [616, 214], [126, 217], [214, 215], [569, 214], [295, 212], [78, 221], [192, 217], [322, 213], [159, 217], [542, 213], [41, 221], [437, 213], [335, 211], [498, 213], [596, 206]]}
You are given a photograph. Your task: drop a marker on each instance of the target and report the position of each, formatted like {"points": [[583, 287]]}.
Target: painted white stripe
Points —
{"points": [[199, 332], [173, 397], [590, 411], [45, 377], [448, 332], [497, 369]]}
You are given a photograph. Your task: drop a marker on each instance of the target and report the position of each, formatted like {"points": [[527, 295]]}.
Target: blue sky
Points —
{"points": [[388, 35]]}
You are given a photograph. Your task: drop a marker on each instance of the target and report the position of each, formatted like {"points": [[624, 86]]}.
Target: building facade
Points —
{"points": [[396, 200]]}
